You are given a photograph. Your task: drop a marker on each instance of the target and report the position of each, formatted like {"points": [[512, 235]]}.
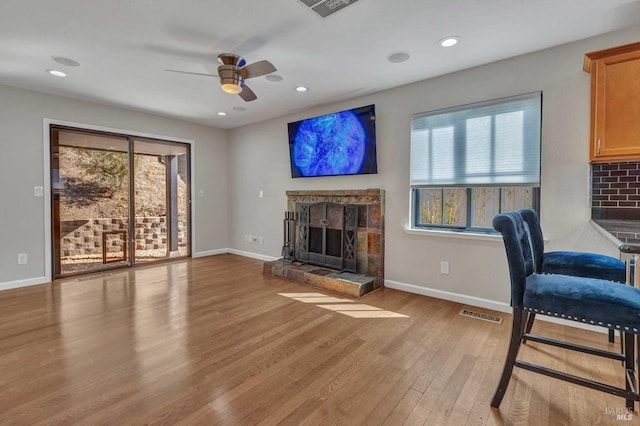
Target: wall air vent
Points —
{"points": [[325, 8]]}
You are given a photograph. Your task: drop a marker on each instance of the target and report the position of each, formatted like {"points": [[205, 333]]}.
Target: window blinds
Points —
{"points": [[484, 144]]}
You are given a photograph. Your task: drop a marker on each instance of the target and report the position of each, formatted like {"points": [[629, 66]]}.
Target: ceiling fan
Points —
{"points": [[233, 71]]}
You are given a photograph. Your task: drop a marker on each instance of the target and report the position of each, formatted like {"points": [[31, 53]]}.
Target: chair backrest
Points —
{"points": [[517, 243], [531, 218]]}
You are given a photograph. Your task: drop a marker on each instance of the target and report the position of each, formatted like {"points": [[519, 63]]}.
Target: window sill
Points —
{"points": [[453, 234]]}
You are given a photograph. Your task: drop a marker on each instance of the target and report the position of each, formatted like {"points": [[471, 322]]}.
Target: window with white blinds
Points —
{"points": [[494, 143], [472, 162]]}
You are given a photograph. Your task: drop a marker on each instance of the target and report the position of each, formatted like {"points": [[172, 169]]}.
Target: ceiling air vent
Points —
{"points": [[325, 8]]}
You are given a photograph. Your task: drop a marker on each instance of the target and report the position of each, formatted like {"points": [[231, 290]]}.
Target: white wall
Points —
{"points": [[259, 161], [22, 216]]}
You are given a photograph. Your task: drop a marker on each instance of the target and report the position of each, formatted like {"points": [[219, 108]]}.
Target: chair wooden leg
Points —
{"points": [[621, 344], [637, 365], [531, 317], [516, 338], [612, 336], [629, 366]]}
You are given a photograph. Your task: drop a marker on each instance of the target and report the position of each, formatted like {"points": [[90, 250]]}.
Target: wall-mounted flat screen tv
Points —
{"points": [[341, 143]]}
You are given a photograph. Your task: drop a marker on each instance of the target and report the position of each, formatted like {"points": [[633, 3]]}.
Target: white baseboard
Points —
{"points": [[252, 255], [23, 283], [453, 297], [210, 252], [482, 303], [235, 251]]}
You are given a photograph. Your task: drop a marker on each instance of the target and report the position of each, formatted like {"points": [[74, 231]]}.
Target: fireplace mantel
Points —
{"points": [[340, 196]]}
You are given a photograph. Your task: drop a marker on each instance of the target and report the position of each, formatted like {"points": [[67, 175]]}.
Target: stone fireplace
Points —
{"points": [[351, 219]]}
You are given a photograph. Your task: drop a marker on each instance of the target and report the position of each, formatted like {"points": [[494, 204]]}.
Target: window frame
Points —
{"points": [[468, 227]]}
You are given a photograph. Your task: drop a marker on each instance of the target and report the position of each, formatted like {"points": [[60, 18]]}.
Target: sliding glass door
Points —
{"points": [[161, 200], [116, 200]]}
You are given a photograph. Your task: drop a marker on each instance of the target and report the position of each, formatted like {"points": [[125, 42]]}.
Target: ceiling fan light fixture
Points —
{"points": [[230, 81], [231, 88]]}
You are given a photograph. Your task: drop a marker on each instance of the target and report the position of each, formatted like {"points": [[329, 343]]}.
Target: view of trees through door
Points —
{"points": [[116, 200]]}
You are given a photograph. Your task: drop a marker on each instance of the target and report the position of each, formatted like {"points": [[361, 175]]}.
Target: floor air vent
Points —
{"points": [[480, 316], [325, 8]]}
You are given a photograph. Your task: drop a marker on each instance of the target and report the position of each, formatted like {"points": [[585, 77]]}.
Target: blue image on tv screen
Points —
{"points": [[342, 143]]}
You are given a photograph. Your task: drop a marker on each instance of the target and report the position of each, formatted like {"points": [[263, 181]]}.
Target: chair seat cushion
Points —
{"points": [[581, 264], [587, 300]]}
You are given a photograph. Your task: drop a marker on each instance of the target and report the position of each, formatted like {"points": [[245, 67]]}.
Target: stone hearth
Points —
{"points": [[347, 283], [370, 247]]}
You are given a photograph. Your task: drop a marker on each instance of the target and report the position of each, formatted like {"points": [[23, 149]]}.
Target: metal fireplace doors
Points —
{"points": [[328, 235]]}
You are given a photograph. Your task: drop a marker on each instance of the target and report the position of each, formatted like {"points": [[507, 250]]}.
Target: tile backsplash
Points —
{"points": [[615, 190]]}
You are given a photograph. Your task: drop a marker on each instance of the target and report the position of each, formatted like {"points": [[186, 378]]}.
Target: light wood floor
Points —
{"points": [[211, 341]]}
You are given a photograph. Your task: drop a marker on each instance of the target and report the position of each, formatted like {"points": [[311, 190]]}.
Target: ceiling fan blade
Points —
{"points": [[192, 73], [247, 94], [256, 69]]}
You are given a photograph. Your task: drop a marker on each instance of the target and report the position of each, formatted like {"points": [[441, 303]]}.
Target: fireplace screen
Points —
{"points": [[327, 235]]}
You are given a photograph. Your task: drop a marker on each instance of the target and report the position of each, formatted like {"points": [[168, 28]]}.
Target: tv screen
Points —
{"points": [[341, 143]]}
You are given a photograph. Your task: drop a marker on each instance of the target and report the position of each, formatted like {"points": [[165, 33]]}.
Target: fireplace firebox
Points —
{"points": [[327, 235]]}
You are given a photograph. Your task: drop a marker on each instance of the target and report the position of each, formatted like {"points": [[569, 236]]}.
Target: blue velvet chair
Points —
{"points": [[587, 300], [576, 263]]}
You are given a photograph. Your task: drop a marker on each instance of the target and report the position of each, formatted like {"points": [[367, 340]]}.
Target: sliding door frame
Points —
{"points": [[48, 124]]}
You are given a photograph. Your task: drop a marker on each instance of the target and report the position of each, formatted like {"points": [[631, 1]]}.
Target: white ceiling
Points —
{"points": [[123, 47]]}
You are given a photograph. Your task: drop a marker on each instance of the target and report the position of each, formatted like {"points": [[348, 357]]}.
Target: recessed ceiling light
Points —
{"points": [[449, 41], [57, 73], [66, 61], [398, 57], [301, 89], [239, 108], [274, 78], [222, 113]]}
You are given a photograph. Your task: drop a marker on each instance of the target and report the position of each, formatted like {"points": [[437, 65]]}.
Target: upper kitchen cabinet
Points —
{"points": [[615, 103]]}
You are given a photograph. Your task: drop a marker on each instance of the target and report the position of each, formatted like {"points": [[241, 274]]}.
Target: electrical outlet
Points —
{"points": [[22, 258], [260, 240], [201, 193], [38, 191], [444, 268], [247, 238]]}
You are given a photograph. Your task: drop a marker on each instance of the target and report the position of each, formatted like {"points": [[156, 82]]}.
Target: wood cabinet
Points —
{"points": [[615, 103]]}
